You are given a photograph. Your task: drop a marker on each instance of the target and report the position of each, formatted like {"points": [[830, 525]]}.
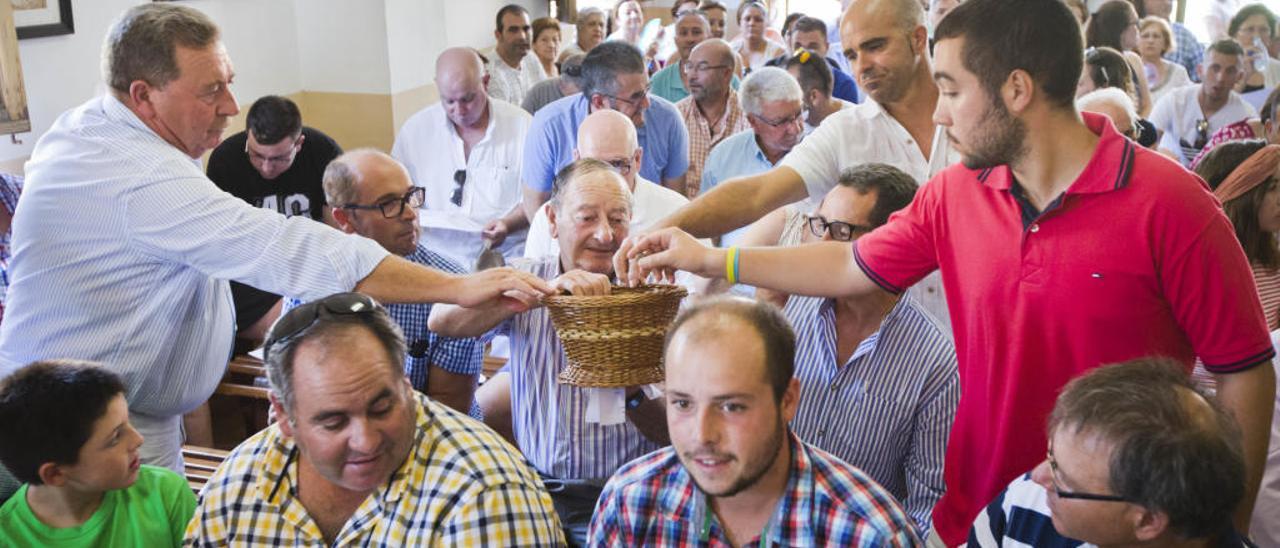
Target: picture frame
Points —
{"points": [[42, 18]]}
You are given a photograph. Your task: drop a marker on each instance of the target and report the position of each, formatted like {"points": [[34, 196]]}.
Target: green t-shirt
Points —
{"points": [[154, 511]]}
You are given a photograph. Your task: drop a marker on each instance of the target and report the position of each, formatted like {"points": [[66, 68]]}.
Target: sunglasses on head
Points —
{"points": [[298, 320]]}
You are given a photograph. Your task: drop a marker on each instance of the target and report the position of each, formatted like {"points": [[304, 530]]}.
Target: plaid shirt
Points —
{"points": [[653, 502], [462, 485], [703, 135], [1187, 51], [426, 349], [10, 189]]}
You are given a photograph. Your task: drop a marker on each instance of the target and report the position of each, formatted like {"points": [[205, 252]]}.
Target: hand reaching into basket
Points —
{"points": [[662, 253], [581, 283]]}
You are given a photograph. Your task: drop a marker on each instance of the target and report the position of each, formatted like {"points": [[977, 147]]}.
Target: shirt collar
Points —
{"points": [[1110, 167]]}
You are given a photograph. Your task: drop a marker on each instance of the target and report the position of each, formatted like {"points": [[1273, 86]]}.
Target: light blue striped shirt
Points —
{"points": [[122, 249], [888, 410], [549, 417]]}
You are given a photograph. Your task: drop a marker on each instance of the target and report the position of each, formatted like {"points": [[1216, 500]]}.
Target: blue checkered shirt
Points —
{"points": [[427, 349], [1187, 51], [10, 189]]}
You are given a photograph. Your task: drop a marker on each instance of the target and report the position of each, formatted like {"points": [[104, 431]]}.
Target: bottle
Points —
{"points": [[1260, 56]]}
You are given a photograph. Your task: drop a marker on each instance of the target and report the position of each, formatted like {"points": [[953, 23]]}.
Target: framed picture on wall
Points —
{"points": [[14, 117], [37, 18]]}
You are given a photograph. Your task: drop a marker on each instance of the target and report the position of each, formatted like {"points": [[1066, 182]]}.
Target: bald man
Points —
{"points": [[887, 45], [711, 110], [466, 152]]}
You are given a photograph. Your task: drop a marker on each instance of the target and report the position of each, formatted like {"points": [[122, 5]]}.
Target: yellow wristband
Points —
{"points": [[731, 265]]}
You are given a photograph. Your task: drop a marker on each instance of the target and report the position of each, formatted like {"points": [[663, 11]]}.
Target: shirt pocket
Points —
{"points": [[494, 190]]}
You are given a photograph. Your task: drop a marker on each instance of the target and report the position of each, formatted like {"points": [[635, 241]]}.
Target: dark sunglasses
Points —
{"points": [[459, 177], [298, 320]]}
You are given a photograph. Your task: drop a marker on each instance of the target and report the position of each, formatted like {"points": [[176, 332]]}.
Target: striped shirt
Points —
{"points": [[550, 418], [121, 254], [703, 135], [461, 485], [888, 409], [653, 501], [1268, 293], [463, 356]]}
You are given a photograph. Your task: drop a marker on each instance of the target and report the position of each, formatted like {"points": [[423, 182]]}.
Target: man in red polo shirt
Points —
{"points": [[1062, 246]]}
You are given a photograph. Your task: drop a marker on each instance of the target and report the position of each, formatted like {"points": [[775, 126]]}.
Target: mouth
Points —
{"points": [[362, 463], [711, 463], [135, 464]]}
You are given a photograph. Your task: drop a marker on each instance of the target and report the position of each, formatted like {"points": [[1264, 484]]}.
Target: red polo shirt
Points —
{"points": [[1135, 259]]}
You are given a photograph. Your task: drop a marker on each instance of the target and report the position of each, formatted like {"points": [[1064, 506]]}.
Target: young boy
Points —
{"points": [[65, 433]]}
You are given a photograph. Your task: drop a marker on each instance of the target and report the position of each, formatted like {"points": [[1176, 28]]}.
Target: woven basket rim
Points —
{"points": [[641, 361]]}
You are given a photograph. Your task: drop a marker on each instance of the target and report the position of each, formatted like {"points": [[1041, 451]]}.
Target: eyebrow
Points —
{"points": [[719, 398], [326, 415], [940, 75], [875, 41]]}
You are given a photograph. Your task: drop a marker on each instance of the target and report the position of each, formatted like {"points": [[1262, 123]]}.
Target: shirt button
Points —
{"points": [[822, 432], [835, 387], [1035, 228]]}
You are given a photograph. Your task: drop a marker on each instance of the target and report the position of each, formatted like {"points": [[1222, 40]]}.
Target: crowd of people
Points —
{"points": [[947, 286]]}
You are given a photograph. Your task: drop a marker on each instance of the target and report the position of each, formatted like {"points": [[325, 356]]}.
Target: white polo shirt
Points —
{"points": [[1177, 113], [432, 151], [865, 133]]}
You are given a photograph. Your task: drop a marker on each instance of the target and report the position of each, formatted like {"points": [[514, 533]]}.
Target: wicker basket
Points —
{"points": [[615, 340]]}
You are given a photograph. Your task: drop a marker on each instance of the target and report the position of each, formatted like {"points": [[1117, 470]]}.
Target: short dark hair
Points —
{"points": [[280, 360], [1225, 46], [1107, 24], [502, 12], [809, 24], [894, 188], [788, 24], [1108, 69], [543, 24], [1036, 36], [712, 5], [142, 44], [272, 119], [765, 319], [1259, 246], [812, 71], [1249, 11], [47, 412], [603, 64], [1174, 449]]}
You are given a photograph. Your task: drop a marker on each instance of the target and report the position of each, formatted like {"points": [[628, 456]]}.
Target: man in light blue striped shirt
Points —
{"points": [[878, 377], [122, 247], [589, 215]]}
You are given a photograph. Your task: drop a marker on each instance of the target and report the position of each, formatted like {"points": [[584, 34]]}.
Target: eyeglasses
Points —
{"points": [[298, 320], [459, 177], [840, 230], [283, 158], [394, 207], [636, 101], [701, 67], [1063, 494], [797, 117], [621, 165]]}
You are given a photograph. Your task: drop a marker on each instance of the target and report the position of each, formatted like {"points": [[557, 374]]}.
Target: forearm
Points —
{"points": [[737, 202], [776, 267], [516, 219], [396, 280], [1250, 397], [456, 321], [452, 389], [532, 200]]}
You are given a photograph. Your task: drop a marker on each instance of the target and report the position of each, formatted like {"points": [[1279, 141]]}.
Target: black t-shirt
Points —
{"points": [[297, 191]]}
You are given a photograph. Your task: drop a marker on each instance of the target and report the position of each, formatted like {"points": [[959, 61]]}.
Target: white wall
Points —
{"points": [[342, 45]]}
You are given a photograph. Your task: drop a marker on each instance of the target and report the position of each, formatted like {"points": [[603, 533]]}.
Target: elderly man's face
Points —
{"points": [[353, 415], [463, 99], [1082, 461], [193, 110], [709, 74], [593, 218], [726, 424], [384, 181], [779, 125]]}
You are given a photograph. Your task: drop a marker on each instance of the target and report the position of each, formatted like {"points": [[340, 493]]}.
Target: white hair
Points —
{"points": [[767, 85], [1110, 99]]}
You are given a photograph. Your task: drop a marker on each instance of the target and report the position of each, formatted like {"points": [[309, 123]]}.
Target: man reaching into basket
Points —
{"points": [[575, 437]]}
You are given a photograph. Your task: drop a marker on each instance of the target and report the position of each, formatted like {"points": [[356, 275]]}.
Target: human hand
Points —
{"points": [[581, 283], [516, 289], [662, 253], [495, 231]]}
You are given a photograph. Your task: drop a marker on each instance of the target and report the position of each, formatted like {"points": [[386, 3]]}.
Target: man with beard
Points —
{"points": [[1062, 244], [711, 113], [887, 44], [513, 68], [734, 474]]}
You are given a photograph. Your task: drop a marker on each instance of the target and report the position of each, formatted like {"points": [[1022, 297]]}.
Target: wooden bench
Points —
{"points": [[242, 376], [200, 463]]}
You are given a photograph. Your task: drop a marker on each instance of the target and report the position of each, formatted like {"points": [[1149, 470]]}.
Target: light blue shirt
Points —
{"points": [[887, 410], [122, 249], [554, 135], [737, 156], [667, 84]]}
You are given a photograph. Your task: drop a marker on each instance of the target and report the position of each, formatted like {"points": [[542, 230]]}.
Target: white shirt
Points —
{"points": [[122, 249], [1176, 78], [510, 84], [1178, 112], [432, 151], [652, 202], [866, 133]]}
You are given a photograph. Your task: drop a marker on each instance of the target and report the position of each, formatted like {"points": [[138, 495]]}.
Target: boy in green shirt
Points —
{"points": [[65, 433]]}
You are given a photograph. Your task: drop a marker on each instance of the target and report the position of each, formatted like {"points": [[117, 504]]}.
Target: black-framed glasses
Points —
{"points": [[298, 320], [459, 178], [839, 230], [1064, 494], [394, 207]]}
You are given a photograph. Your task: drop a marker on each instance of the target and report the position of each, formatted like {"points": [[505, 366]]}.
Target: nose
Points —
{"points": [[408, 212], [228, 106], [940, 115], [604, 232], [138, 438], [1043, 476], [364, 438], [708, 427]]}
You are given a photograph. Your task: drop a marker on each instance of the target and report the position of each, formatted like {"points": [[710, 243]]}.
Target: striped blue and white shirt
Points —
{"points": [[549, 417], [888, 410], [122, 249]]}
